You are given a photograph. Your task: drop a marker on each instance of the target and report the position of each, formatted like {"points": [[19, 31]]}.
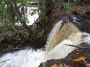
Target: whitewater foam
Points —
{"points": [[22, 58]]}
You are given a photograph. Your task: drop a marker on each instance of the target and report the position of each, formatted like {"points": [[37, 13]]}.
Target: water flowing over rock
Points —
{"points": [[61, 49], [22, 58]]}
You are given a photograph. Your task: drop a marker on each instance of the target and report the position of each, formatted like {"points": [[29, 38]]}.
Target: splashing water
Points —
{"points": [[27, 57], [32, 58], [53, 32], [22, 58]]}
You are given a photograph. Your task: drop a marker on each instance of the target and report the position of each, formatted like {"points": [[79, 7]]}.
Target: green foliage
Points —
{"points": [[66, 7], [9, 33], [13, 37], [3, 9], [66, 3], [22, 1], [81, 2], [5, 27]]}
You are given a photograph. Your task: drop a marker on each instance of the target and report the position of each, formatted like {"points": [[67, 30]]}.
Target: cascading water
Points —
{"points": [[32, 58], [27, 57], [22, 58], [31, 18]]}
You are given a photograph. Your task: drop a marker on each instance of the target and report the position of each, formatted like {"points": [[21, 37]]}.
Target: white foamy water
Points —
{"points": [[53, 32], [22, 58], [86, 39], [32, 58], [31, 18], [61, 50]]}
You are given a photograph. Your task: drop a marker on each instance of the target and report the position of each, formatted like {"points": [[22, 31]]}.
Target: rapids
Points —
{"points": [[33, 58], [22, 58]]}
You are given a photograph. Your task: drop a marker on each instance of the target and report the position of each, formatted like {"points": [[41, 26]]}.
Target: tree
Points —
{"points": [[50, 11]]}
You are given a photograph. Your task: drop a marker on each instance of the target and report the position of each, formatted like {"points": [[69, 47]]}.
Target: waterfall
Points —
{"points": [[31, 18], [33, 58], [53, 32]]}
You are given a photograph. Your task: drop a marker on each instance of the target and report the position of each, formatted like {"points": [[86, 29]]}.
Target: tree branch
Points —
{"points": [[19, 16]]}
